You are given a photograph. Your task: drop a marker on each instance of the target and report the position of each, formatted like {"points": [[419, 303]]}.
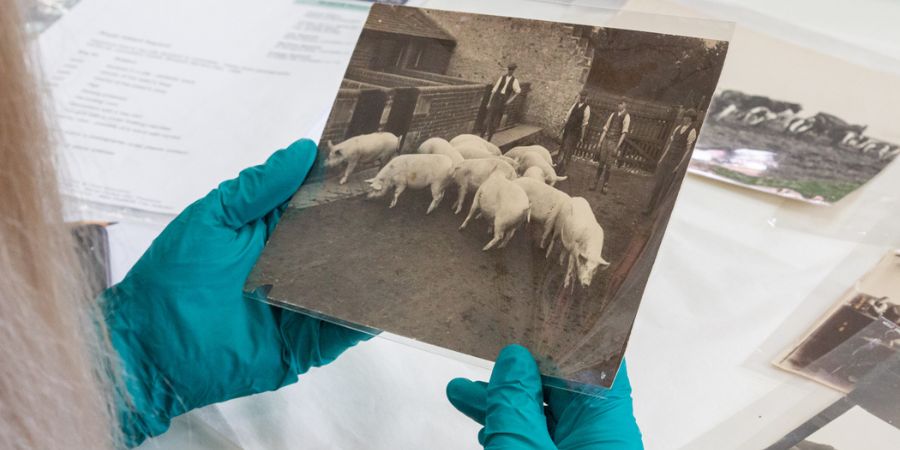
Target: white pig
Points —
{"points": [[516, 152], [471, 173], [365, 148], [533, 159], [469, 138], [504, 204], [582, 239], [546, 203], [473, 150], [535, 173], [439, 146], [416, 172]]}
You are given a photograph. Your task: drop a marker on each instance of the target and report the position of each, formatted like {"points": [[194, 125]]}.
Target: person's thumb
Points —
{"points": [[261, 189], [469, 397], [515, 406]]}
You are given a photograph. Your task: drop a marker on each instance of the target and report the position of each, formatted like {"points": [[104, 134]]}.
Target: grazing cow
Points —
{"points": [[828, 126], [413, 171], [365, 148], [504, 204], [749, 108]]}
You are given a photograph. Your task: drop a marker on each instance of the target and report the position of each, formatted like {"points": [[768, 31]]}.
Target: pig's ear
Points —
{"points": [[603, 263], [562, 178], [370, 180]]}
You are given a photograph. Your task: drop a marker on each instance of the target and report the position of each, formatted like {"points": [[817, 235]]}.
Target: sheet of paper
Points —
{"points": [[154, 108]]}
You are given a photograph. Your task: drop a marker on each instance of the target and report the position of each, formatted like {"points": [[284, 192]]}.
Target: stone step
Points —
{"points": [[514, 136]]}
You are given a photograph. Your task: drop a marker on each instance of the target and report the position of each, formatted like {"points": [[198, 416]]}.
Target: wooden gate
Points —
{"points": [[651, 125]]}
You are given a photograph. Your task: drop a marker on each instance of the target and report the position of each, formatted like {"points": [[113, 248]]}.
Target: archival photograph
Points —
{"points": [[858, 335], [796, 123], [778, 147], [486, 180]]}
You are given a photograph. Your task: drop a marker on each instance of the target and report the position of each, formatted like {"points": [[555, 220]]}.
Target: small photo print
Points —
{"points": [[859, 334], [777, 147], [486, 180]]}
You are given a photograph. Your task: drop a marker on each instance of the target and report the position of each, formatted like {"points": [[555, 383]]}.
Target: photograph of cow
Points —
{"points": [[815, 157], [484, 180]]}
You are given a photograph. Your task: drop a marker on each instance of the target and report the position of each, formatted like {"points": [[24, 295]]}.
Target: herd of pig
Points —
{"points": [[510, 190]]}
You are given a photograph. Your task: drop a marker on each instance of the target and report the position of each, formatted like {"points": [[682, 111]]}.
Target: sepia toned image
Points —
{"points": [[486, 180], [858, 335]]}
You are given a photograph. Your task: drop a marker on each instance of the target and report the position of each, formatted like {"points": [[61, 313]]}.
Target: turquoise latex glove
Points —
{"points": [[511, 408], [186, 334]]}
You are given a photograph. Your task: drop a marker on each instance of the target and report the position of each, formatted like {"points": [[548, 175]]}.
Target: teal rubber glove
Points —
{"points": [[512, 409], [186, 334]]}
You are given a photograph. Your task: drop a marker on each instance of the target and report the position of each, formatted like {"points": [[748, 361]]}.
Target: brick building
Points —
{"points": [[556, 67], [428, 73]]}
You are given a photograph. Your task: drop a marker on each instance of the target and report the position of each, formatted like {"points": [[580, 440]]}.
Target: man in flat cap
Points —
{"points": [[504, 92], [573, 131], [674, 159], [617, 127]]}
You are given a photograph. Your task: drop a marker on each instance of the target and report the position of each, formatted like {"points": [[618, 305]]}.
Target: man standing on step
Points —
{"points": [[673, 160], [505, 91], [614, 132], [573, 131]]}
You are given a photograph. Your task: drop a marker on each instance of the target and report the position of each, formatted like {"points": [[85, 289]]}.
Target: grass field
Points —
{"points": [[808, 165]]}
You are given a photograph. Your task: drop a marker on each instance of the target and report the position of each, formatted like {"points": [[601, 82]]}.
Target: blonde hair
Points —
{"points": [[54, 388]]}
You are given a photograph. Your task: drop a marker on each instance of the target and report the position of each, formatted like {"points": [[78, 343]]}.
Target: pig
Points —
{"points": [[516, 152], [473, 150], [510, 161], [414, 171], [468, 138], [582, 240], [365, 148], [533, 159], [503, 203], [438, 146], [535, 173], [546, 203], [471, 173]]}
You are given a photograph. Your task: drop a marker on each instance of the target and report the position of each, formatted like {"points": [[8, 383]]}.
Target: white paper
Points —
{"points": [[154, 107]]}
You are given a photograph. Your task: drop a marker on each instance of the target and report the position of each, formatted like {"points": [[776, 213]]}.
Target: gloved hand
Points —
{"points": [[511, 408], [185, 332]]}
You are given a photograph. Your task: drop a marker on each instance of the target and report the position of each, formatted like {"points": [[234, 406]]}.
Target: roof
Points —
{"points": [[406, 21]]}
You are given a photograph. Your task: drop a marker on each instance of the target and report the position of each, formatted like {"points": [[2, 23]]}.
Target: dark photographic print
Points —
{"points": [[861, 332], [867, 418], [487, 180]]}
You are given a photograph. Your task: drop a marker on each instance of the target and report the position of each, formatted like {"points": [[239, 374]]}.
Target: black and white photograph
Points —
{"points": [[858, 335], [487, 180], [778, 147]]}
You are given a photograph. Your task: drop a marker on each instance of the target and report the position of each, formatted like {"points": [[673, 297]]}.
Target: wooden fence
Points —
{"points": [[650, 127]]}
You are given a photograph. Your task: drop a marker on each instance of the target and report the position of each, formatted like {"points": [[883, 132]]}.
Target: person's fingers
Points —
{"points": [[259, 190], [606, 418], [310, 342], [515, 406], [469, 397]]}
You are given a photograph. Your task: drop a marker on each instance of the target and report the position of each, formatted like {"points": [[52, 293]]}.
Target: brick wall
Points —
{"points": [[366, 50], [444, 111], [553, 57], [385, 79]]}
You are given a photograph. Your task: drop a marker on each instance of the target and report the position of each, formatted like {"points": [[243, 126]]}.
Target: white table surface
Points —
{"points": [[739, 276]]}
